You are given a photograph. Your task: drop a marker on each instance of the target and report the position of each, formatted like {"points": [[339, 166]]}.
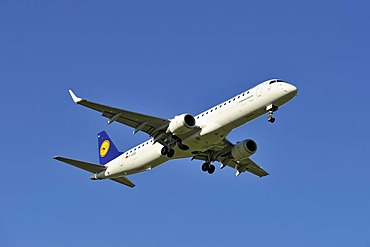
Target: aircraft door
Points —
{"points": [[259, 90]]}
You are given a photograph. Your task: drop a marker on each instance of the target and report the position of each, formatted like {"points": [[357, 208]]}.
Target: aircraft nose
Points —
{"points": [[289, 88]]}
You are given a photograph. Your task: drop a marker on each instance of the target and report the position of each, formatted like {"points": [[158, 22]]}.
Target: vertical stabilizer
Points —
{"points": [[107, 149]]}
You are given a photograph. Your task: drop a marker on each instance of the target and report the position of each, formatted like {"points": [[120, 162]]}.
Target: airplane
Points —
{"points": [[200, 137]]}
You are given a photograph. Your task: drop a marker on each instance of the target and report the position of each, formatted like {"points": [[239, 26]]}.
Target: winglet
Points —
{"points": [[74, 97]]}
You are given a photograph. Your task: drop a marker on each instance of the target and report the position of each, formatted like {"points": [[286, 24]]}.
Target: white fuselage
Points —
{"points": [[215, 124]]}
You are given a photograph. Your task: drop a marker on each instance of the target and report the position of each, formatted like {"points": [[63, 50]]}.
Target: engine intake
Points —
{"points": [[243, 149], [181, 124]]}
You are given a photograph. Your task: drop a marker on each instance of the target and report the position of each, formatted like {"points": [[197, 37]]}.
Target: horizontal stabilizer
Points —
{"points": [[124, 180], [94, 169], [81, 164]]}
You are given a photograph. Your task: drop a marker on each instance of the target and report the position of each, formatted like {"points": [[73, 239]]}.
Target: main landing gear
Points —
{"points": [[170, 143], [168, 151], [271, 109], [207, 167]]}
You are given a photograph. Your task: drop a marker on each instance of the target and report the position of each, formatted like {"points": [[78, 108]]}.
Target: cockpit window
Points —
{"points": [[273, 81]]}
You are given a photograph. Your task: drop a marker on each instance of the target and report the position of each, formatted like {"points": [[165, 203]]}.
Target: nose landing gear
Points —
{"points": [[270, 118], [271, 109]]}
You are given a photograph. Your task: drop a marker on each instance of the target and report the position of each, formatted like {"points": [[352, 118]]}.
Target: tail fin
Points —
{"points": [[107, 149]]}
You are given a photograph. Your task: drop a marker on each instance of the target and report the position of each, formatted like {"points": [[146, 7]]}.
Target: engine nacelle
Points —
{"points": [[243, 149], [181, 124]]}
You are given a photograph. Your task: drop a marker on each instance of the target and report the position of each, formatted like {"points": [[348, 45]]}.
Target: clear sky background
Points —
{"points": [[168, 57]]}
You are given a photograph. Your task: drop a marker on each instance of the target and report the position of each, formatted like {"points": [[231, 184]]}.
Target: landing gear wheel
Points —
{"points": [[271, 119], [170, 153], [271, 109], [205, 167], [164, 150], [211, 169], [182, 146]]}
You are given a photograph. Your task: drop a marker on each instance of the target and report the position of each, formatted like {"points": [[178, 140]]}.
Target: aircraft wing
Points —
{"points": [[221, 152], [140, 122], [94, 169], [247, 165]]}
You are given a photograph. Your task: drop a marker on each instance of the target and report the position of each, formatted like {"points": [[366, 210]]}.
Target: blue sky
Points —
{"points": [[168, 57]]}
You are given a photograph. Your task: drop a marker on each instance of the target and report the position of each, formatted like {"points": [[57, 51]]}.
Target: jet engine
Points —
{"points": [[181, 124], [243, 149]]}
